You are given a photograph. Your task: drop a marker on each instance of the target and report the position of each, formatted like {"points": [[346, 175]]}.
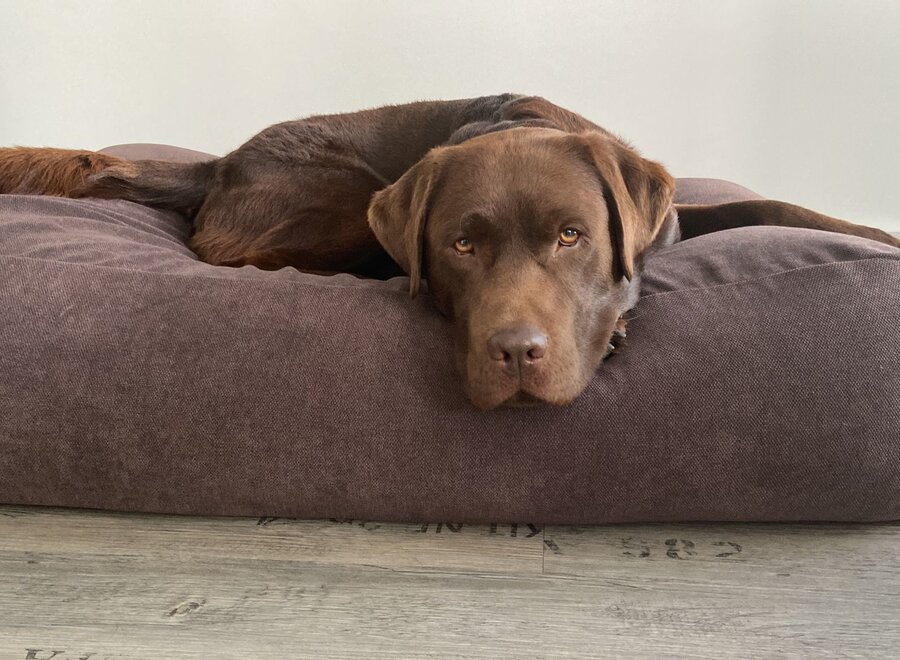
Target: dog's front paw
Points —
{"points": [[618, 337]]}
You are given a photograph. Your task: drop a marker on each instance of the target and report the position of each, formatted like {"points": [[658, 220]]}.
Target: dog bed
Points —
{"points": [[760, 381]]}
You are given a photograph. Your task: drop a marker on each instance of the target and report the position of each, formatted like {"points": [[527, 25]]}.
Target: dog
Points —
{"points": [[57, 172], [530, 223]]}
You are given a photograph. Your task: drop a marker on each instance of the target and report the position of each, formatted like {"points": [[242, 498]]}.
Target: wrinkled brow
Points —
{"points": [[471, 221]]}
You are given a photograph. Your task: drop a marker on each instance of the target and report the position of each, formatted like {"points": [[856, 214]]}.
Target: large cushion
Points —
{"points": [[760, 381], [151, 151]]}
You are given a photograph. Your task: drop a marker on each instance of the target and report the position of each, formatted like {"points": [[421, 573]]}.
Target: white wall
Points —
{"points": [[799, 100]]}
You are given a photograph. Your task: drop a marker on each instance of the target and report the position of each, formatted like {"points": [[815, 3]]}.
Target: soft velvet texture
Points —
{"points": [[760, 381]]}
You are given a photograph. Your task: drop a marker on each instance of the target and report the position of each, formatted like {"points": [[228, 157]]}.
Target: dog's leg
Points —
{"points": [[696, 220], [618, 336]]}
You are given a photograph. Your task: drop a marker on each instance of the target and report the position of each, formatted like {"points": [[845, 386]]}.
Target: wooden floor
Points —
{"points": [[77, 584]]}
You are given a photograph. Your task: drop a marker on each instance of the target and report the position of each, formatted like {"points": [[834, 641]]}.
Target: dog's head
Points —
{"points": [[532, 242]]}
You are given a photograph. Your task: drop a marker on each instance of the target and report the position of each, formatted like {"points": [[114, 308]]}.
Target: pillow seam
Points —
{"points": [[884, 257]]}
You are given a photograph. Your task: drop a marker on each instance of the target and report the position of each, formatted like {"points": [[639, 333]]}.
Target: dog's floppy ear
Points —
{"points": [[638, 194], [398, 214]]}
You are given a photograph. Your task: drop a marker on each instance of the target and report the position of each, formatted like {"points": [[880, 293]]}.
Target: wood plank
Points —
{"points": [[445, 547], [108, 585], [819, 557], [170, 609]]}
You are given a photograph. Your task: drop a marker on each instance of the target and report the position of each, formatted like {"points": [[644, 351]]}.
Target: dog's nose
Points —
{"points": [[517, 347]]}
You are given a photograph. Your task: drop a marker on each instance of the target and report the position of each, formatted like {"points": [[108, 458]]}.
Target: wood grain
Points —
{"points": [[84, 584]]}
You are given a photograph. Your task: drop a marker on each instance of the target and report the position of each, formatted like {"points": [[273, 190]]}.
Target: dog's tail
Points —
{"points": [[45, 171], [180, 187]]}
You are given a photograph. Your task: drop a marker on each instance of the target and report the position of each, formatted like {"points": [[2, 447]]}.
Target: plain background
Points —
{"points": [[799, 100]]}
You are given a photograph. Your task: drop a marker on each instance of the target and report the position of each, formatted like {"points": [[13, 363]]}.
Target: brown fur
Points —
{"points": [[56, 172], [367, 191], [696, 220], [511, 193]]}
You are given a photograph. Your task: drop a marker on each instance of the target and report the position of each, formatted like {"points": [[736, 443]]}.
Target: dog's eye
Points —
{"points": [[569, 237], [463, 246]]}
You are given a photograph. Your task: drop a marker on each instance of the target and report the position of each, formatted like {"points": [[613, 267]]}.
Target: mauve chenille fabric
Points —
{"points": [[760, 381]]}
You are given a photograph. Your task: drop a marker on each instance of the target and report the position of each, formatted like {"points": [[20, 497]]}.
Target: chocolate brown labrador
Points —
{"points": [[529, 221]]}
